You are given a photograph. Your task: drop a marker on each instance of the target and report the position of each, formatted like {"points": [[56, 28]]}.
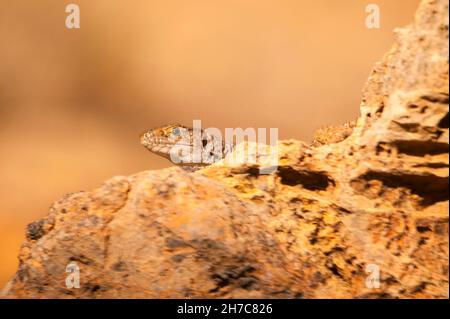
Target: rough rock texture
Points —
{"points": [[379, 197]]}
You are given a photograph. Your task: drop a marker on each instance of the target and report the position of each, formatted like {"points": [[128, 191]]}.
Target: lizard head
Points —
{"points": [[176, 143], [161, 139]]}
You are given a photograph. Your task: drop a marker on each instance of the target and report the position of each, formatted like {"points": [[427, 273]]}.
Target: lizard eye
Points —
{"points": [[176, 131]]}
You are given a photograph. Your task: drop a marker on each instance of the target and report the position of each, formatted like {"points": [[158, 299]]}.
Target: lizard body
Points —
{"points": [[333, 133]]}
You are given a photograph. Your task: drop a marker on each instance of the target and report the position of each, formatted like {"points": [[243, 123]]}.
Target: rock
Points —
{"points": [[334, 215]]}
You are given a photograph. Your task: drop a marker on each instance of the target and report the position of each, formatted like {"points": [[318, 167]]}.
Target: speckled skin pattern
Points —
{"points": [[177, 138]]}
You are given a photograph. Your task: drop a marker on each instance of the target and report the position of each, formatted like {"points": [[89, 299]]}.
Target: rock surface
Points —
{"points": [[319, 227]]}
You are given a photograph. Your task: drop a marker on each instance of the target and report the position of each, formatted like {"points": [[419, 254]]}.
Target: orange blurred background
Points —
{"points": [[73, 102]]}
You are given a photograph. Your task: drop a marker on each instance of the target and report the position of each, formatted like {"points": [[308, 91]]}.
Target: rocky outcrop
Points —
{"points": [[333, 216]]}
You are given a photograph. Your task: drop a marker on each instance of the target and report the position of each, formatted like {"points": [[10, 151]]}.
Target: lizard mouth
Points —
{"points": [[162, 142], [150, 139]]}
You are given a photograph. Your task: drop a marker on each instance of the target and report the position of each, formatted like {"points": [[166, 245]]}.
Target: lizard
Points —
{"points": [[176, 143], [171, 140]]}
